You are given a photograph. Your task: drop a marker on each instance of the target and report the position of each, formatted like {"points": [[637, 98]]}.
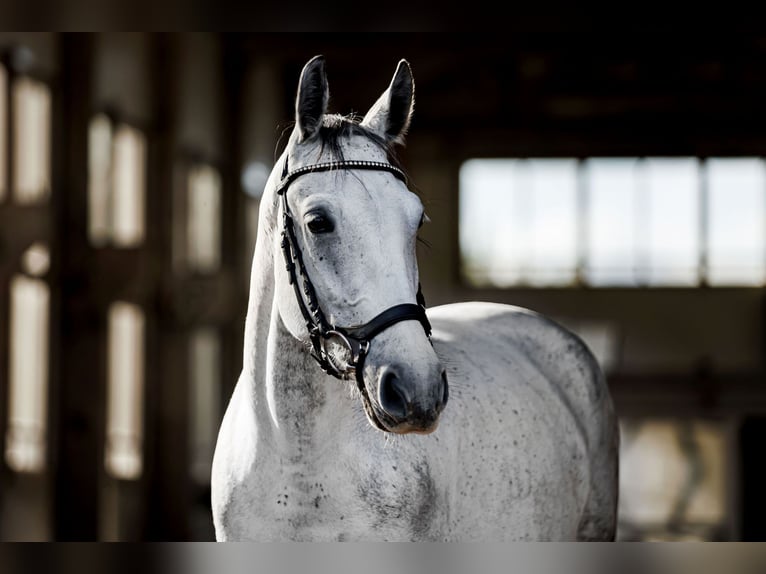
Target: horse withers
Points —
{"points": [[359, 416]]}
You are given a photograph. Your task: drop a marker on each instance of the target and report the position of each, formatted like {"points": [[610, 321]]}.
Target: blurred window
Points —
{"points": [[613, 222], [518, 221], [736, 207], [25, 439], [203, 224], [129, 182], [673, 480], [125, 391], [99, 179], [611, 234], [31, 109], [205, 407], [670, 198], [116, 183]]}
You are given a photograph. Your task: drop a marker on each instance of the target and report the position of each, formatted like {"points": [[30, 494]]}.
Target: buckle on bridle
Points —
{"points": [[357, 350]]}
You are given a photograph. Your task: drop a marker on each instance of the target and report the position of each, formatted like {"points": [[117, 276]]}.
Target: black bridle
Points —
{"points": [[356, 339]]}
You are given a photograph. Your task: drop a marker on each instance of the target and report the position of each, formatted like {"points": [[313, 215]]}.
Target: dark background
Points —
{"points": [[544, 87]]}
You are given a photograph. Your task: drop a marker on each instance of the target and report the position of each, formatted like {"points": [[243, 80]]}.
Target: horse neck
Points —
{"points": [[293, 402]]}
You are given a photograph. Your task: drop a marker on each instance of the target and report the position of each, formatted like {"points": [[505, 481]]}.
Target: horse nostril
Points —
{"points": [[445, 389], [393, 397]]}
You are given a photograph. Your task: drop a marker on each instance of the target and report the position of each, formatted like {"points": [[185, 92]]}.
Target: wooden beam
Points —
{"points": [[80, 332]]}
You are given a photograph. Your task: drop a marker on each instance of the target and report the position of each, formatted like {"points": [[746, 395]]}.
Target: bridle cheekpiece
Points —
{"points": [[357, 339]]}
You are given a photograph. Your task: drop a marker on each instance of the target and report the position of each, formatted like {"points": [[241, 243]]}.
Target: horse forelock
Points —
{"points": [[337, 129]]}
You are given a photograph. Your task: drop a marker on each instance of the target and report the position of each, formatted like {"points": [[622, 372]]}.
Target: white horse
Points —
{"points": [[526, 449]]}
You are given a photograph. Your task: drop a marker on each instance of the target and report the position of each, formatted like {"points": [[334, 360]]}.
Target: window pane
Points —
{"points": [[32, 127], [99, 178], [518, 221], [670, 238], [736, 208], [204, 368], [28, 390], [204, 219], [486, 204], [552, 188], [611, 237], [125, 391], [129, 183], [3, 132]]}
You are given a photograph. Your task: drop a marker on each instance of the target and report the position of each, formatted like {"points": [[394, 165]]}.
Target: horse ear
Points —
{"points": [[312, 99], [390, 115]]}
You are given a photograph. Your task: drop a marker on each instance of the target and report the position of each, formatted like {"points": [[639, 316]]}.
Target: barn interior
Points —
{"points": [[613, 179]]}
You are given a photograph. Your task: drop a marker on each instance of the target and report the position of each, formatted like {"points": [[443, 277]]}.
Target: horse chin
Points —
{"points": [[387, 424], [408, 429]]}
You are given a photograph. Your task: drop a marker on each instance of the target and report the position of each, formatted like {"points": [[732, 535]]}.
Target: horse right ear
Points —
{"points": [[390, 116], [313, 97]]}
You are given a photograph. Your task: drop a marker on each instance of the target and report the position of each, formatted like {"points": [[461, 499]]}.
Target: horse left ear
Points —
{"points": [[313, 96], [390, 115]]}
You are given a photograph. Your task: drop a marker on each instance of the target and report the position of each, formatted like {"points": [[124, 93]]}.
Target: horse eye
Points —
{"points": [[320, 224], [424, 219]]}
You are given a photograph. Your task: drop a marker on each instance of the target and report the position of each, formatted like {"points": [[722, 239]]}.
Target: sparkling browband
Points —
{"points": [[288, 178]]}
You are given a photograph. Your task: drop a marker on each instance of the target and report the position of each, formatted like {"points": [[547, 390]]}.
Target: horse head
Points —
{"points": [[346, 233]]}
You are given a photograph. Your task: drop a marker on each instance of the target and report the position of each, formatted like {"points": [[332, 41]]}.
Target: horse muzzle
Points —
{"points": [[410, 404]]}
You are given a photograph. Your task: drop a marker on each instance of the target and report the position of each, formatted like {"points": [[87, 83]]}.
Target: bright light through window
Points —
{"points": [[552, 231], [125, 391], [736, 208], [613, 222], [129, 186], [32, 145], [116, 183], [611, 237], [671, 252], [517, 221], [28, 380], [484, 199]]}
